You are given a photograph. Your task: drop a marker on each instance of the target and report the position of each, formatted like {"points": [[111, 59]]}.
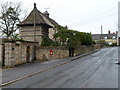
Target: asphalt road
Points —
{"points": [[97, 70]]}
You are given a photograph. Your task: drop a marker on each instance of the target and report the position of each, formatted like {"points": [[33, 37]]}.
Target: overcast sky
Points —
{"points": [[80, 15]]}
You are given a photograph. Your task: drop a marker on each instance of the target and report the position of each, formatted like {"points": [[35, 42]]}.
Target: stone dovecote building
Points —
{"points": [[36, 26]]}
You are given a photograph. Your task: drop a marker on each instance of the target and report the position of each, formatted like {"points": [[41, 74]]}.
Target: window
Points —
{"points": [[105, 37], [113, 37]]}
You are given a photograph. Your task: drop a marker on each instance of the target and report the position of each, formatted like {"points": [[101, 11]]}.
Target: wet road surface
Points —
{"points": [[97, 70]]}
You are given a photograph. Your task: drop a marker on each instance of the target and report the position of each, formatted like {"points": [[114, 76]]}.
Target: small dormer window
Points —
{"points": [[105, 38], [113, 37]]}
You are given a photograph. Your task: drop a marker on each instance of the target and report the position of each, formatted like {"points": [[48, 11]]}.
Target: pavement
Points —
{"points": [[96, 70], [26, 70]]}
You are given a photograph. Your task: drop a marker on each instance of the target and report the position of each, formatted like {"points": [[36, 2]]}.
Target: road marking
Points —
{"points": [[35, 73], [13, 81], [98, 62]]}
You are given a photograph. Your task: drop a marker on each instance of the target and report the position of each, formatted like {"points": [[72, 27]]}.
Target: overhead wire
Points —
{"points": [[89, 20], [97, 19], [99, 15]]}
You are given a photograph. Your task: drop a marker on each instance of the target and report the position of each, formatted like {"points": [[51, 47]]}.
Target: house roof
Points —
{"points": [[102, 36], [46, 14], [51, 20], [40, 19]]}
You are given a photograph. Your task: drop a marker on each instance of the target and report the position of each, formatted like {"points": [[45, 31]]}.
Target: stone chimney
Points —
{"points": [[34, 5], [109, 32], [116, 32]]}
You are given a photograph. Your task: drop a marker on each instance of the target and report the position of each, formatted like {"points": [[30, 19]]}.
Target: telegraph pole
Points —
{"points": [[34, 32]]}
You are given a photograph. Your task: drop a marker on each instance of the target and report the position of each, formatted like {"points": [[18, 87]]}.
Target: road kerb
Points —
{"points": [[30, 75]]}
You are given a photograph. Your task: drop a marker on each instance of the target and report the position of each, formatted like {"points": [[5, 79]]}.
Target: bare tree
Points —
{"points": [[10, 16]]}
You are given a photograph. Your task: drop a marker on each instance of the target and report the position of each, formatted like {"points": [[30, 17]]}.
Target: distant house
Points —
{"points": [[37, 24], [110, 38]]}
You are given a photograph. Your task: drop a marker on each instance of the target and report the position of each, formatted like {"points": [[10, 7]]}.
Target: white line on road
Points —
{"points": [[98, 62]]}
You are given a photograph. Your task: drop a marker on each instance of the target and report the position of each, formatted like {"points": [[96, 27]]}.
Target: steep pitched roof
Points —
{"points": [[46, 15], [53, 21], [39, 18], [30, 18], [50, 21]]}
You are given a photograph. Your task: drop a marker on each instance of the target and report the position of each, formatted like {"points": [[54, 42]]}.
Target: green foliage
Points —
{"points": [[94, 42], [72, 38], [17, 37], [61, 34], [48, 42], [89, 39]]}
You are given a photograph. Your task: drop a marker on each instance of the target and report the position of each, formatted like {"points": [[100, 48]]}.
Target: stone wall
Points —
{"points": [[43, 53], [85, 49], [19, 52], [16, 52], [0, 52]]}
